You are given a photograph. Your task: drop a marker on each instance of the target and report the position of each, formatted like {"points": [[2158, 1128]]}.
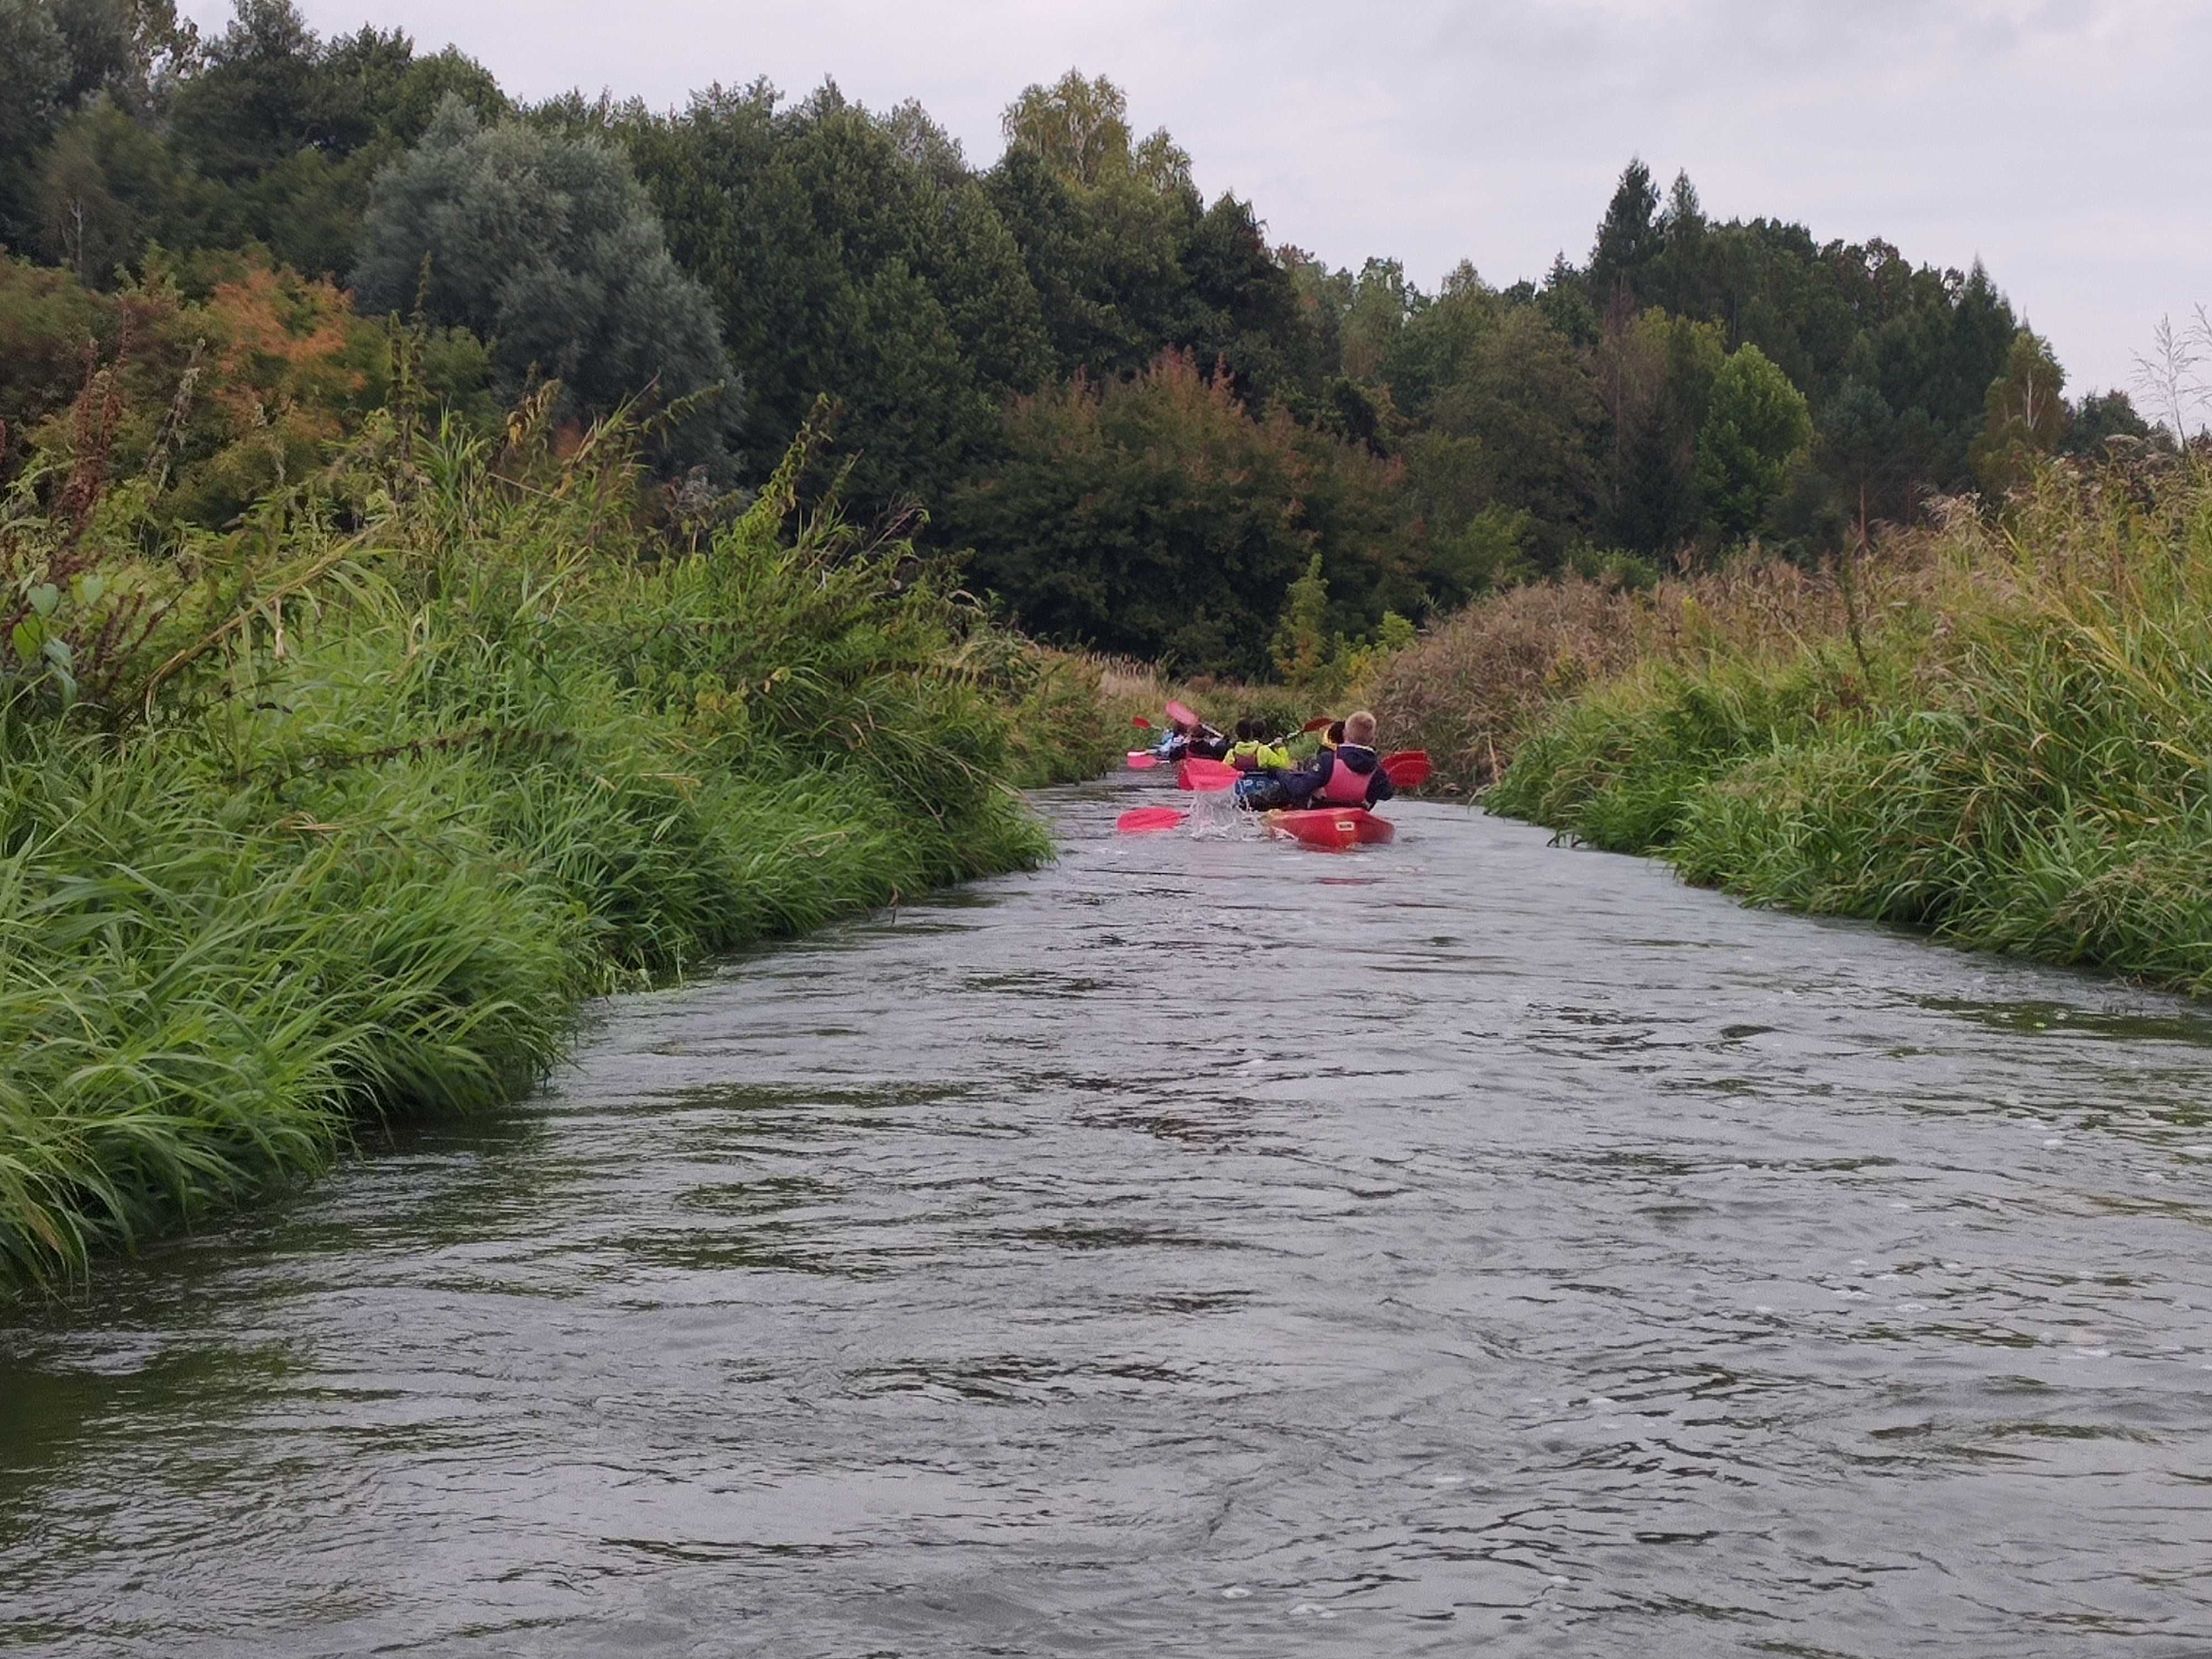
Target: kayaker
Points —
{"points": [[1190, 737], [1351, 772], [1253, 752], [1201, 741]]}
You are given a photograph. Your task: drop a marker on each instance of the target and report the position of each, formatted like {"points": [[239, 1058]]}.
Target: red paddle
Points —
{"points": [[1206, 775], [1142, 760], [1318, 723], [1183, 715], [1408, 769], [1145, 818]]}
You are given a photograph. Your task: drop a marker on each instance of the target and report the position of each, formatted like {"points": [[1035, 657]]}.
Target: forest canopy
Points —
{"points": [[1138, 420]]}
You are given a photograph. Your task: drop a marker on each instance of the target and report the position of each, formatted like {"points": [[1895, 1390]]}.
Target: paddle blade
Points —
{"points": [[1179, 713], [1142, 760], [1139, 720], [1147, 818], [1318, 723], [1206, 775], [1408, 769]]}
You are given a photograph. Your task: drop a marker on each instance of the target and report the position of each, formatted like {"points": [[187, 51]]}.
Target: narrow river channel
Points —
{"points": [[1200, 1247]]}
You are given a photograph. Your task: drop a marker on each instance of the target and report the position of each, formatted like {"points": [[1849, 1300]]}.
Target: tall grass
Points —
{"points": [[2017, 754], [1472, 687], [417, 760]]}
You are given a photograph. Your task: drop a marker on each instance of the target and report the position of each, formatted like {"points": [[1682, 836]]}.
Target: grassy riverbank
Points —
{"points": [[345, 813], [2013, 747]]}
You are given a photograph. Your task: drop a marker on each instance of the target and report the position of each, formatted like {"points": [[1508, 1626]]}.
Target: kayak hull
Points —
{"points": [[1334, 829]]}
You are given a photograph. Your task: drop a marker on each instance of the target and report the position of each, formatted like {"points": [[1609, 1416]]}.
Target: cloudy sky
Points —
{"points": [[2066, 143]]}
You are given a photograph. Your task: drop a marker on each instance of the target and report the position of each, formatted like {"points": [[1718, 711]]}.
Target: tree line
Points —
{"points": [[1140, 422]]}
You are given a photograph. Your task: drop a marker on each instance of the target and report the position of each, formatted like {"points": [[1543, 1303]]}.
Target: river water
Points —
{"points": [[1200, 1247]]}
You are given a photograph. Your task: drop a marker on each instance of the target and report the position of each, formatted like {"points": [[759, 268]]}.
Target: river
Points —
{"points": [[1200, 1247]]}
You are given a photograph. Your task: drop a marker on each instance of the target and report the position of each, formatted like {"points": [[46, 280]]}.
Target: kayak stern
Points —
{"points": [[1334, 829]]}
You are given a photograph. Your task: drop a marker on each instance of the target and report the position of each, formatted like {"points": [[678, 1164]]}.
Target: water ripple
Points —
{"points": [[1200, 1247]]}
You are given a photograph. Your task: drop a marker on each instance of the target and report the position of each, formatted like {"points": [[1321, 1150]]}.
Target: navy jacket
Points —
{"points": [[1354, 757]]}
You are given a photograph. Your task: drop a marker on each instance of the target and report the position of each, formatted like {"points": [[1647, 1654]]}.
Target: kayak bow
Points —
{"points": [[1198, 772]]}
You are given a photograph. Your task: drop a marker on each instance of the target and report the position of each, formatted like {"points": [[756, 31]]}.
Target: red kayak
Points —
{"points": [[1332, 827]]}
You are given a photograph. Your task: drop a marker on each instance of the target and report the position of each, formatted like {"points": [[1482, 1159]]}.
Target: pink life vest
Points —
{"points": [[1343, 786]]}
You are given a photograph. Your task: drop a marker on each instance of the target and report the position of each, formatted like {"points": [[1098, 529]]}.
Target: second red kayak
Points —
{"points": [[1333, 828]]}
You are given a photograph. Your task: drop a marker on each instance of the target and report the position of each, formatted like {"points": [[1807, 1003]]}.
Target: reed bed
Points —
{"points": [[1474, 686], [379, 789], [2015, 752]]}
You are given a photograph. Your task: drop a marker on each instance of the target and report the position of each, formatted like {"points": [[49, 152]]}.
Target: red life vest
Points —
{"points": [[1343, 786]]}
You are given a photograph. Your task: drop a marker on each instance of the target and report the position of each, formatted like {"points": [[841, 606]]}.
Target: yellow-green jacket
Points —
{"points": [[1255, 757]]}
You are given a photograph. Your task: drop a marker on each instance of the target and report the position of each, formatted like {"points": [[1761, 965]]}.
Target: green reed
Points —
{"points": [[433, 770], [2023, 762]]}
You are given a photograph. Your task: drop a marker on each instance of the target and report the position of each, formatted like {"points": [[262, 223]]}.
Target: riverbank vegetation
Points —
{"points": [[343, 811], [1997, 728]]}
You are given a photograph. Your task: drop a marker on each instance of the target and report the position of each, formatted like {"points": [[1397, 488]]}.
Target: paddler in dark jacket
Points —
{"points": [[1350, 774], [1187, 739]]}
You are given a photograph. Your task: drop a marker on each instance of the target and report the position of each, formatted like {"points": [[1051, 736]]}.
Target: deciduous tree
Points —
{"points": [[1757, 425], [547, 247]]}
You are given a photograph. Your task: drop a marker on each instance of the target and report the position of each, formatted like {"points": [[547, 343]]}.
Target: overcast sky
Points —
{"points": [[2066, 143]]}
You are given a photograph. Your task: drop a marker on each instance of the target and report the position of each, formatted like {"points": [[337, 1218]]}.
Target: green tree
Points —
{"points": [[260, 97], [547, 247], [1434, 348], [34, 67], [2100, 415], [1655, 373], [1474, 540], [1377, 311], [1528, 405], [855, 257], [1757, 425], [1321, 297], [1677, 278], [1300, 646], [1243, 311], [1078, 128], [1127, 262], [108, 186], [1629, 237], [1154, 515], [1103, 231], [1868, 465], [279, 134], [1564, 300], [2024, 416]]}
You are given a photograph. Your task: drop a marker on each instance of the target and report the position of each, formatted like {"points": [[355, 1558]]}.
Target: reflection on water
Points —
{"points": [[1200, 1247]]}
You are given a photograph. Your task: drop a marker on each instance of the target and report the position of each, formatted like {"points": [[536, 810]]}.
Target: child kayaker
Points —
{"points": [[1253, 752], [1348, 775]]}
